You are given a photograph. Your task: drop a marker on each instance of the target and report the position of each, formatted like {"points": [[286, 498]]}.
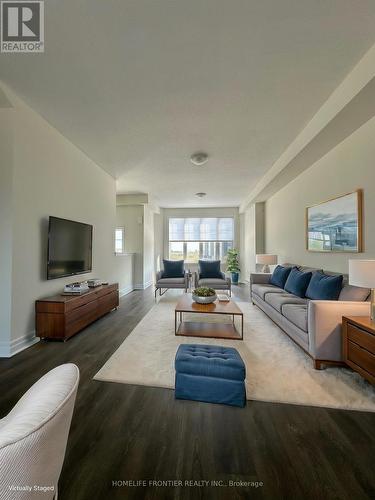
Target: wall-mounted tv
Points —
{"points": [[69, 248]]}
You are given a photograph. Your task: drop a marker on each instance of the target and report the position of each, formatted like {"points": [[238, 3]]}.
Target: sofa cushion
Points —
{"points": [[210, 269], [354, 293], [173, 268], [213, 282], [279, 276], [261, 290], [324, 287], [277, 300], [296, 314], [297, 282]]}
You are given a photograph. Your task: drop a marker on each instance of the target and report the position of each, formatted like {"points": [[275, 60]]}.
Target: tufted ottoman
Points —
{"points": [[210, 373]]}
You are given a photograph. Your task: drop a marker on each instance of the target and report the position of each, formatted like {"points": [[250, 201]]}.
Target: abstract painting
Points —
{"points": [[335, 225]]}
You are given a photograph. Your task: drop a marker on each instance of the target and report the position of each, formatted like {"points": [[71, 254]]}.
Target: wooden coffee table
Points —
{"points": [[204, 329]]}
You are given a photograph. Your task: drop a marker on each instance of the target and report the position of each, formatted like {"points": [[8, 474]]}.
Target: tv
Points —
{"points": [[69, 248]]}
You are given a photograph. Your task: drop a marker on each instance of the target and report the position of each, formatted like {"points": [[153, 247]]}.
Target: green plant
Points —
{"points": [[204, 292], [233, 265]]}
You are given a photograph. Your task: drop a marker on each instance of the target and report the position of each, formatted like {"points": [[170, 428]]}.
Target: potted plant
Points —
{"points": [[204, 295], [233, 265]]}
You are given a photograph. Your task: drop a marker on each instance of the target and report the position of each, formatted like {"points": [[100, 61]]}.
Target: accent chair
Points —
{"points": [[172, 276], [209, 275], [34, 434]]}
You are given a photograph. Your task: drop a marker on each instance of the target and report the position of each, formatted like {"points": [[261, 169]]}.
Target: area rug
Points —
{"points": [[277, 370]]}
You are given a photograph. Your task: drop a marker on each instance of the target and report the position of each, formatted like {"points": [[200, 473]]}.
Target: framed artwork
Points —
{"points": [[335, 225]]}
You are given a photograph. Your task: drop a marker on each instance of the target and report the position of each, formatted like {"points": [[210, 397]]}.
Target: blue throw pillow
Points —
{"points": [[324, 287], [297, 282], [173, 268], [280, 275], [210, 269]]}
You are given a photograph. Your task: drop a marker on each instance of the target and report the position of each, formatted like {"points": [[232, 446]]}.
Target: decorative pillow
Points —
{"points": [[173, 269], [279, 276], [324, 287], [210, 269], [297, 282]]}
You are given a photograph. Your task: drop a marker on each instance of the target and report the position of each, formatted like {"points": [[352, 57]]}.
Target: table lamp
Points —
{"points": [[267, 260], [362, 273]]}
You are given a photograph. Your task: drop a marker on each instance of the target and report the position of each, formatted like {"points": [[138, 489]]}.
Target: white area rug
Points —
{"points": [[277, 370]]}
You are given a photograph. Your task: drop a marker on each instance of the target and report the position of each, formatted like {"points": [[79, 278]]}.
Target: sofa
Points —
{"points": [[315, 325]]}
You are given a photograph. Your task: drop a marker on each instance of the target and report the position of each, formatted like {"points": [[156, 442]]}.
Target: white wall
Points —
{"points": [[252, 238], [6, 188], [50, 177], [125, 273], [131, 218], [148, 246], [347, 167], [158, 240], [247, 243]]}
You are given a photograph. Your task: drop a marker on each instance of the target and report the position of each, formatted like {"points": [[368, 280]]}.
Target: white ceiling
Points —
{"points": [[140, 85]]}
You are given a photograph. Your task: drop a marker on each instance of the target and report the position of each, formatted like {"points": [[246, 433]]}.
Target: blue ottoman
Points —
{"points": [[210, 373]]}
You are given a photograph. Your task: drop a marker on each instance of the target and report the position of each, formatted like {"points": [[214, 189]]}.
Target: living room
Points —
{"points": [[187, 249]]}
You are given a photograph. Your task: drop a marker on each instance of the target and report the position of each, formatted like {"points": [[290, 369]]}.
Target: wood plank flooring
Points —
{"points": [[131, 433]]}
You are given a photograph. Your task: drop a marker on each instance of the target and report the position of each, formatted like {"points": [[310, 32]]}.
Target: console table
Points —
{"points": [[61, 316], [359, 345]]}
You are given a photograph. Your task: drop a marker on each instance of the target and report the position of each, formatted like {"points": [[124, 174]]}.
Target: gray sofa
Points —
{"points": [[315, 325]]}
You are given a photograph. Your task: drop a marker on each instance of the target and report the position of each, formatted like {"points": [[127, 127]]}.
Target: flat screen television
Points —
{"points": [[69, 248]]}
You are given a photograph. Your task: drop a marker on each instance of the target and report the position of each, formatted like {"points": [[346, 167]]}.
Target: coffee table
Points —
{"points": [[204, 329]]}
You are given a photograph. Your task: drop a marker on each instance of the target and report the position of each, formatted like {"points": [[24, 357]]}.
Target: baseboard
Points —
{"points": [[9, 349], [126, 290], [141, 286]]}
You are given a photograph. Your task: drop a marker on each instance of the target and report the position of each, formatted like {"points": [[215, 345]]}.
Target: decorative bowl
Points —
{"points": [[204, 295], [204, 300]]}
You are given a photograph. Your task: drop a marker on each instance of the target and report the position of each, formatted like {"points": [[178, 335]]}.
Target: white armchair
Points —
{"points": [[33, 436]]}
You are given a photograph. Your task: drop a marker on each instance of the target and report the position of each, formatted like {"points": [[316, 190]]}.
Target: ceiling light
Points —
{"points": [[199, 159], [200, 195]]}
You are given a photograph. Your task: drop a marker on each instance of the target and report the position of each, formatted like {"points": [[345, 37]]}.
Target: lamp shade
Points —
{"points": [[265, 258], [362, 273]]}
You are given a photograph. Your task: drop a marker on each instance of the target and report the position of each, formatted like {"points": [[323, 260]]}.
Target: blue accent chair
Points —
{"points": [[210, 373]]}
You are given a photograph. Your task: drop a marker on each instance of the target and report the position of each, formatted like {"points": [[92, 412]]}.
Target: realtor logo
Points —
{"points": [[22, 26]]}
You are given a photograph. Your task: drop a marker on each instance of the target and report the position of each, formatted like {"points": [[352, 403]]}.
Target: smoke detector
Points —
{"points": [[200, 195], [199, 159]]}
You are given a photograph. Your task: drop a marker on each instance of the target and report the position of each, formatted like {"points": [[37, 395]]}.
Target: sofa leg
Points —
{"points": [[318, 365]]}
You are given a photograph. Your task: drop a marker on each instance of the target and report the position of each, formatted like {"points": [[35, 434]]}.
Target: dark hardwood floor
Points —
{"points": [[131, 433]]}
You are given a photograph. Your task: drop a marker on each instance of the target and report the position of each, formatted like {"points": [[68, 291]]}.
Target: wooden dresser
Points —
{"points": [[359, 345], [61, 316]]}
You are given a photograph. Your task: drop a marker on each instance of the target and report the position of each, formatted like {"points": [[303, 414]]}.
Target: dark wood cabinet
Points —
{"points": [[359, 345], [61, 316]]}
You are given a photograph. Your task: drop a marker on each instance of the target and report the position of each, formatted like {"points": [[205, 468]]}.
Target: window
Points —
{"points": [[196, 238], [119, 240]]}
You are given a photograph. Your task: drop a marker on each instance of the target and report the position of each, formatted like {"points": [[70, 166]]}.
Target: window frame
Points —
{"points": [[122, 229]]}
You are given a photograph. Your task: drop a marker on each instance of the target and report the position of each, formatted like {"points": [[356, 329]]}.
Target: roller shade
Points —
{"points": [[201, 229]]}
